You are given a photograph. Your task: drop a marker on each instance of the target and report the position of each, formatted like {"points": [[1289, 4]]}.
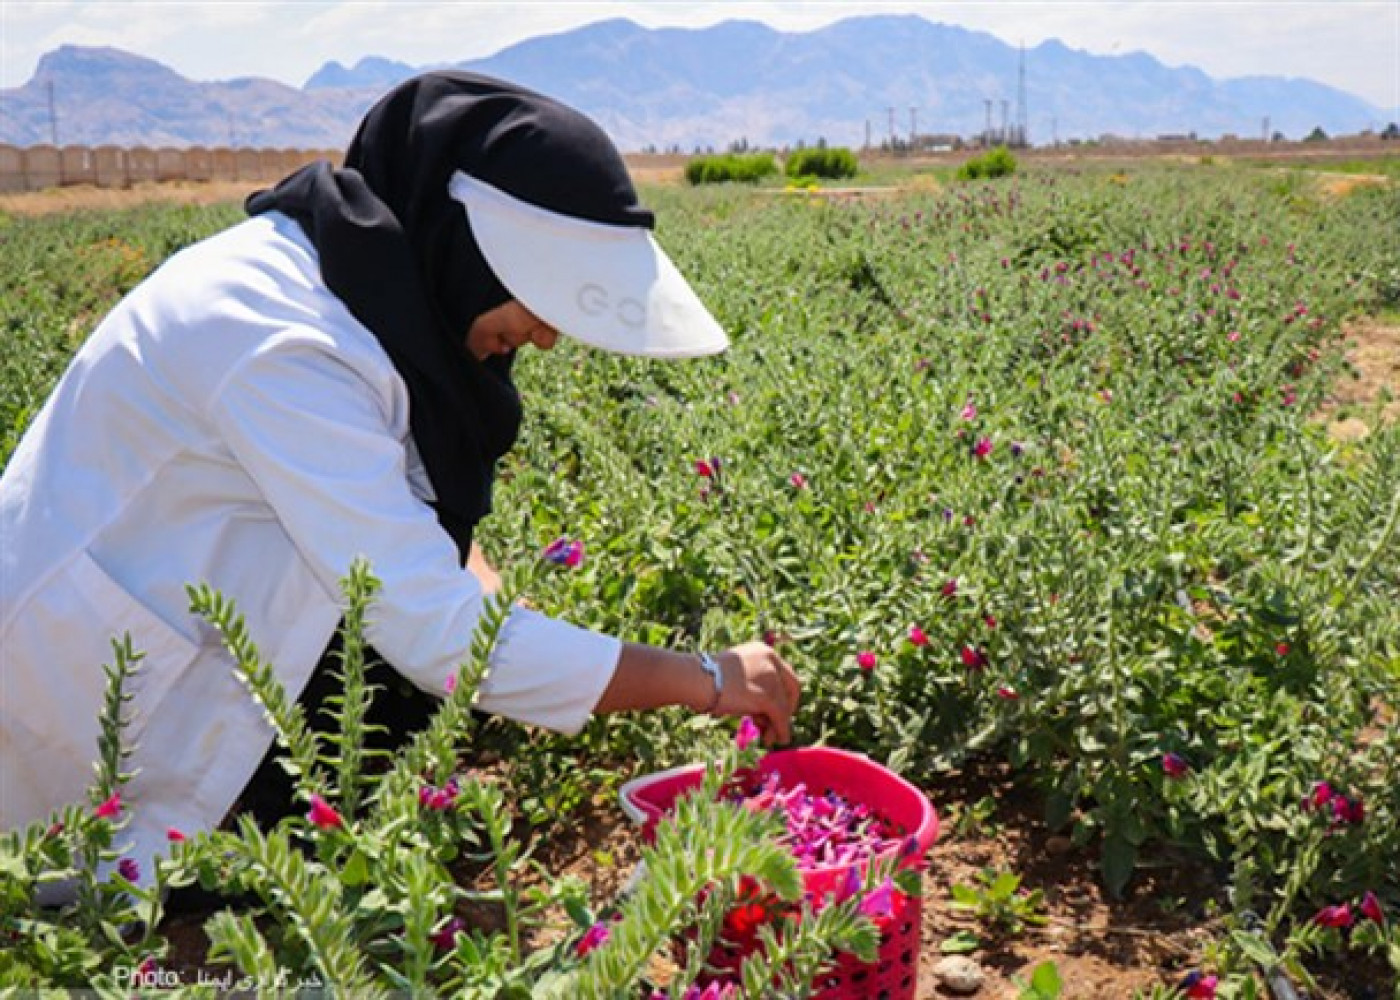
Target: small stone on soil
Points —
{"points": [[959, 974]]}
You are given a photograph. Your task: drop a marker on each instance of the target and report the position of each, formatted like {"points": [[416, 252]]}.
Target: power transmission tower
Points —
{"points": [[1005, 122], [891, 110], [913, 127], [987, 132]]}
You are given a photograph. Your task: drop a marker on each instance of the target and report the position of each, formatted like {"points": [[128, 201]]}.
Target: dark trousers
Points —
{"points": [[397, 711]]}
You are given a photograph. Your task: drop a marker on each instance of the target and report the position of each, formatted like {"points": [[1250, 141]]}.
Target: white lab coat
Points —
{"points": [[229, 423]]}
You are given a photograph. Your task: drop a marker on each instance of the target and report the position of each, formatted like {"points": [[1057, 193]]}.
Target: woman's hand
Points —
{"points": [[760, 684], [757, 683]]}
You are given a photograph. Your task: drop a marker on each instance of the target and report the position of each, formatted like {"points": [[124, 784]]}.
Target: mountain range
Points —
{"points": [[672, 89]]}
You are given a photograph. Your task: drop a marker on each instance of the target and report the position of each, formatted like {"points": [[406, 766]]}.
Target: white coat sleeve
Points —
{"points": [[318, 436]]}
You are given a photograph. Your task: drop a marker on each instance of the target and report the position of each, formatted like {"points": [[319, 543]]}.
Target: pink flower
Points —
{"points": [[1335, 916], [1281, 649], [983, 447], [1199, 987], [748, 732], [445, 938], [798, 481], [969, 412], [439, 799], [322, 814], [917, 636], [950, 589], [592, 938], [990, 621], [865, 659], [450, 684], [1371, 908], [1007, 693], [129, 869], [1234, 335], [173, 835], [973, 658], [1174, 765], [706, 468], [1347, 811], [1318, 796], [110, 809], [564, 552], [879, 904]]}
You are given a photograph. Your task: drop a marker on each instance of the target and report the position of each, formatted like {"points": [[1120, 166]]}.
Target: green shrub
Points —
{"points": [[829, 163], [747, 167], [995, 163]]}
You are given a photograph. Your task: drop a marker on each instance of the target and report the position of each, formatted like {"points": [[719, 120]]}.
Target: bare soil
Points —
{"points": [[1369, 395]]}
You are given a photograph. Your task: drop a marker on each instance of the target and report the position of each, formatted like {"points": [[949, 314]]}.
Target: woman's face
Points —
{"points": [[507, 328]]}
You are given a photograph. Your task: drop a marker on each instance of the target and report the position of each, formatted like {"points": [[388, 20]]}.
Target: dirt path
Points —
{"points": [[1372, 391]]}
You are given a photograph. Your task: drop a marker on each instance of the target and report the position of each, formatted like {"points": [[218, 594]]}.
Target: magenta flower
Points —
{"points": [[129, 869], [1339, 916], [564, 552], [865, 659], [439, 799], [174, 835], [707, 468], [1318, 796], [1347, 811], [592, 938], [1174, 765], [879, 904], [1371, 908], [748, 732], [110, 809], [1008, 693], [445, 937], [969, 412], [982, 448], [950, 589], [1198, 986], [973, 658], [1281, 649], [798, 481], [323, 815], [450, 684], [917, 636]]}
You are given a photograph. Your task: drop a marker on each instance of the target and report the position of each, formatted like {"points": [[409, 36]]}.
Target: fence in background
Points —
{"points": [[31, 168]]}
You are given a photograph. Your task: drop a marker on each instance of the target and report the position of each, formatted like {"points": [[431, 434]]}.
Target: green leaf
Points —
{"points": [[1045, 980], [356, 870], [960, 943], [1118, 863]]}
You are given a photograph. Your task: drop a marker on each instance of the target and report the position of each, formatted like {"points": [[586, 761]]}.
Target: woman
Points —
{"points": [[331, 379]]}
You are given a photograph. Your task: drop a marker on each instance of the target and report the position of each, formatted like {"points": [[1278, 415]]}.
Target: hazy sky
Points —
{"points": [[1351, 44]]}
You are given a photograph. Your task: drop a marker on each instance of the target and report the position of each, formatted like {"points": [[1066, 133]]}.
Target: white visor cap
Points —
{"points": [[608, 286]]}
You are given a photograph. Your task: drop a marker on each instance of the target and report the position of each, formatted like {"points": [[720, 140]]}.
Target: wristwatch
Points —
{"points": [[711, 666]]}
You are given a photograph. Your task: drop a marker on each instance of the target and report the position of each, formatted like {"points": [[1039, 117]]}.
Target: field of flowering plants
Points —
{"points": [[1026, 475]]}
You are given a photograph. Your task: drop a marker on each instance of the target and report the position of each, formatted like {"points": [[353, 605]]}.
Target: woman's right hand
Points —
{"points": [[760, 684]]}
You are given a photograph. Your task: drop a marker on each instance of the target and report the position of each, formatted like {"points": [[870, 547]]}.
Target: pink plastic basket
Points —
{"points": [[858, 779]]}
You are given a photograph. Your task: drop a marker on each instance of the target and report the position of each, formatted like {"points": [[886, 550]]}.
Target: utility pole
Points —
{"points": [[891, 110], [913, 126], [1005, 122], [987, 132], [867, 133], [53, 116], [1265, 134]]}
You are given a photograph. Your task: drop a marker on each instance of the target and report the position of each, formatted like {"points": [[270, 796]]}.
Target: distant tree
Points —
{"points": [[1278, 137], [1316, 135], [1392, 131]]}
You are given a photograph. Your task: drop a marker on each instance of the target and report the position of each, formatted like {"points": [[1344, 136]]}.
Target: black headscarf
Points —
{"points": [[397, 250]]}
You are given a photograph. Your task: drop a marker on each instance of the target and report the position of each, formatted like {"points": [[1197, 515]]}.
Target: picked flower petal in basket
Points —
{"points": [[842, 813]]}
